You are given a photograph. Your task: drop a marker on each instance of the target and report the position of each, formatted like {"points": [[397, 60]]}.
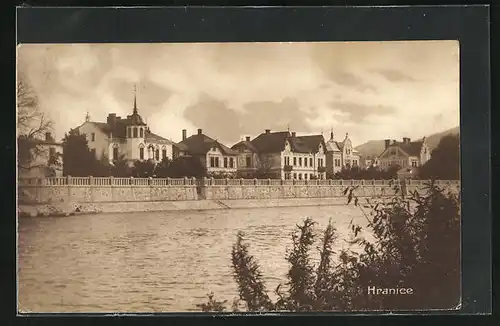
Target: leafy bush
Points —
{"points": [[416, 244]]}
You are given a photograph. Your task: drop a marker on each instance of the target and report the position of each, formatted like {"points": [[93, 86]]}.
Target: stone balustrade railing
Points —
{"points": [[113, 181]]}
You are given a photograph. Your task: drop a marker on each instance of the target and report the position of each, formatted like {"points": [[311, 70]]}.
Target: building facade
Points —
{"points": [[405, 154], [47, 158], [214, 156], [340, 155], [283, 155], [126, 138]]}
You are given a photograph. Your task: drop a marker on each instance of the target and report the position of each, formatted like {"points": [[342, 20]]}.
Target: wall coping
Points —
{"points": [[203, 182]]}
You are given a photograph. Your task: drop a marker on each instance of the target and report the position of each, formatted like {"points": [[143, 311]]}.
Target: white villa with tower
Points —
{"points": [[126, 138]]}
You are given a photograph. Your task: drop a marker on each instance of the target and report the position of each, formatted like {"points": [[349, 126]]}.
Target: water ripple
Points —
{"points": [[152, 262]]}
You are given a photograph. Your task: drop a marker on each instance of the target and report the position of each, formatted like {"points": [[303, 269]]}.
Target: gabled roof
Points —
{"points": [[245, 144], [150, 135], [271, 142], [201, 144], [313, 141], [274, 142], [332, 146], [412, 148]]}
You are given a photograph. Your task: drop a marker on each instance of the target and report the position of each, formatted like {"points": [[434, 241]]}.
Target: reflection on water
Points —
{"points": [[152, 262]]}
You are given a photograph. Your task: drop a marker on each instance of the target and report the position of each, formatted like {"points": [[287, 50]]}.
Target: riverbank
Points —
{"points": [[67, 209]]}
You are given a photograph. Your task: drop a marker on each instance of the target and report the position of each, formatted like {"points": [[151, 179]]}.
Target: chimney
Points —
{"points": [[293, 134], [199, 131], [111, 119], [247, 138], [406, 140], [268, 131], [184, 131], [387, 143], [48, 136]]}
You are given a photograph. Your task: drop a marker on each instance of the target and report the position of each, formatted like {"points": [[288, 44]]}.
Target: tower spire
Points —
{"points": [[135, 99], [331, 133]]}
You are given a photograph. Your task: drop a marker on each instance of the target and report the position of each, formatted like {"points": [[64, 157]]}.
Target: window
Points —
{"points": [[129, 133], [135, 132], [294, 161], [320, 162], [141, 132], [141, 153], [212, 162], [225, 162], [300, 161], [93, 136], [164, 153], [157, 154], [305, 162], [354, 162], [311, 162], [248, 161], [231, 162], [337, 162], [115, 153], [295, 175], [216, 162], [300, 176], [414, 164], [52, 152], [92, 151], [311, 176]]}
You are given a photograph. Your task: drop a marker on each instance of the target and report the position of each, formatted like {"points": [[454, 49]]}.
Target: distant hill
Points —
{"points": [[376, 147]]}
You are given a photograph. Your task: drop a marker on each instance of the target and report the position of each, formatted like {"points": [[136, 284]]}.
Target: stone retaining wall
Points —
{"points": [[117, 190]]}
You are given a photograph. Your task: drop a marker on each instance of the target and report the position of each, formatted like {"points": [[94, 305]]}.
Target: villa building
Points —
{"points": [[405, 154], [47, 158], [340, 155], [129, 138], [283, 154], [216, 157]]}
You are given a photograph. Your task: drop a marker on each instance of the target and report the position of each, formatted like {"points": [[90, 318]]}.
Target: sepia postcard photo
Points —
{"points": [[238, 177]]}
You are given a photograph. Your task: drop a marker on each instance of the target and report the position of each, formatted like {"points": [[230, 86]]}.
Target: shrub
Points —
{"points": [[416, 244]]}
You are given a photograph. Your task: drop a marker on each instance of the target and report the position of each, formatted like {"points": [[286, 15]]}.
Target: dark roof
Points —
{"points": [[118, 129], [150, 135], [201, 144], [274, 142], [412, 148], [246, 144], [313, 141]]}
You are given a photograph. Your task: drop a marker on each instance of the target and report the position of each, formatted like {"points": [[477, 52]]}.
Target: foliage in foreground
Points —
{"points": [[416, 244]]}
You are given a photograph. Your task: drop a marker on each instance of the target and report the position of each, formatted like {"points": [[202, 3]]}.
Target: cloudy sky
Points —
{"points": [[371, 90]]}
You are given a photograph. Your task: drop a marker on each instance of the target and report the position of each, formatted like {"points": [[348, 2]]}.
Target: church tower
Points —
{"points": [[135, 133]]}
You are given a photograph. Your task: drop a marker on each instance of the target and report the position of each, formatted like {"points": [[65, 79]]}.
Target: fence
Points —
{"points": [[112, 181]]}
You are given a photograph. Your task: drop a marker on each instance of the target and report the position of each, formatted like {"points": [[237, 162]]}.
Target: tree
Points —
{"points": [[144, 169], [79, 161], [416, 244], [186, 166], [444, 163], [31, 126]]}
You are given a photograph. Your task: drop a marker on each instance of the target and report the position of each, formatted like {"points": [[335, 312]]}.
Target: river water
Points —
{"points": [[156, 261]]}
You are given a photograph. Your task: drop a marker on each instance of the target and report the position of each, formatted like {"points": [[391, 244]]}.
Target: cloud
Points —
{"points": [[394, 75], [235, 89], [359, 112], [351, 80]]}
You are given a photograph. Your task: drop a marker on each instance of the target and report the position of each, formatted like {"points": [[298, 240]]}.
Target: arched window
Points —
{"points": [[135, 132], [157, 154], [141, 132], [141, 151]]}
